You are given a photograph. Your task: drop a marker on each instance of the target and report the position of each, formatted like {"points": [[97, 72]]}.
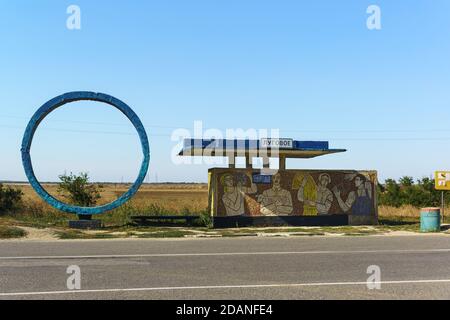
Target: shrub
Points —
{"points": [[10, 199], [205, 220], [78, 191], [11, 232], [407, 192]]}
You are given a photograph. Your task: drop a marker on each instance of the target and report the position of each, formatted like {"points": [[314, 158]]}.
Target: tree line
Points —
{"points": [[407, 191]]}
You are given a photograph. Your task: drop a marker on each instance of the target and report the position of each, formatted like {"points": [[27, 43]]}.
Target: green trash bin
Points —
{"points": [[430, 220]]}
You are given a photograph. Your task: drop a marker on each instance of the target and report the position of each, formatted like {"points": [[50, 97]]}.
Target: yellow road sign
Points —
{"points": [[442, 180]]}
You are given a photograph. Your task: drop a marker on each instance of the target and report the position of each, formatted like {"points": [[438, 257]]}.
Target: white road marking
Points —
{"points": [[162, 255], [251, 286]]}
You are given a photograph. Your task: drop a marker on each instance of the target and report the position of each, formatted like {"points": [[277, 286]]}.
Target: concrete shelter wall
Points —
{"points": [[248, 193]]}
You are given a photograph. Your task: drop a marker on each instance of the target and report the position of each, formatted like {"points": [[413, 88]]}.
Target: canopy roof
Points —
{"points": [[255, 148]]}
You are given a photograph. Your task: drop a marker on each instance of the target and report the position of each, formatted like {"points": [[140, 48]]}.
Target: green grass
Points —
{"points": [[166, 234], [399, 224], [279, 230], [311, 234], [300, 231], [113, 233], [11, 232], [231, 234], [76, 234]]}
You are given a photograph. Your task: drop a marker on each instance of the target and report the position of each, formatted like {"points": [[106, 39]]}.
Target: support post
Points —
{"points": [[231, 162], [282, 165], [266, 163], [248, 161], [443, 207]]}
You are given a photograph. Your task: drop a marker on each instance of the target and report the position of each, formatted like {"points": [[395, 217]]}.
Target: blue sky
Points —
{"points": [[310, 68]]}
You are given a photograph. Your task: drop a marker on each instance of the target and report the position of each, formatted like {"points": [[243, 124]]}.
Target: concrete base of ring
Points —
{"points": [[362, 220], [85, 224]]}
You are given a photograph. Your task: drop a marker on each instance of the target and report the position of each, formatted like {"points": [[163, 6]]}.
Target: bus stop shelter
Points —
{"points": [[279, 196]]}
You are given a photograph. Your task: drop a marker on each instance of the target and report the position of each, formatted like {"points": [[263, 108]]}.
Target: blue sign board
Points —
{"points": [[262, 179]]}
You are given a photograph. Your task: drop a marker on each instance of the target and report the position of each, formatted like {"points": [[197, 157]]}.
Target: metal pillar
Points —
{"points": [[282, 165], [231, 162], [266, 163], [248, 162]]}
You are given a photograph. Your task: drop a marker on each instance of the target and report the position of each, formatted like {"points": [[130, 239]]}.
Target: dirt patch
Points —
{"points": [[39, 234]]}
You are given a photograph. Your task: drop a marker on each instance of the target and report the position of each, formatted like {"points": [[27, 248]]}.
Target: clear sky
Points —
{"points": [[310, 68]]}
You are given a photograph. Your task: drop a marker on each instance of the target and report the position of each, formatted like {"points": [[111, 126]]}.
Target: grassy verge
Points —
{"points": [[181, 232], [117, 234], [77, 234], [118, 224], [302, 231], [165, 234], [11, 232], [40, 215], [410, 224]]}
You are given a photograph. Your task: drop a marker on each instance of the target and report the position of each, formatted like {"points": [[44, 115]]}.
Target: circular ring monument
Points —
{"points": [[59, 101]]}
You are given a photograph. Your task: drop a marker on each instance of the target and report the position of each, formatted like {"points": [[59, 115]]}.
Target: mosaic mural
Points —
{"points": [[249, 192]]}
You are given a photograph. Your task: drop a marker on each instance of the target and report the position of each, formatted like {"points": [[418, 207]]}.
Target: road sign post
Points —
{"points": [[442, 182]]}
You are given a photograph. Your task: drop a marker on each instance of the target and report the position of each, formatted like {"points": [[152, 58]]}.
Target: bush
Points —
{"points": [[10, 199], [78, 191], [406, 192], [205, 220], [11, 232]]}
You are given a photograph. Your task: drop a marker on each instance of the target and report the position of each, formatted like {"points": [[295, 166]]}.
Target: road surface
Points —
{"points": [[412, 267]]}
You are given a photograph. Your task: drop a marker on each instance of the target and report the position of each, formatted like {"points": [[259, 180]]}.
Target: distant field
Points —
{"points": [[176, 197]]}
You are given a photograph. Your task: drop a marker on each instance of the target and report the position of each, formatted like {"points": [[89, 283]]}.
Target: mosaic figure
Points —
{"points": [[321, 203], [307, 193], [359, 202], [276, 201], [234, 193]]}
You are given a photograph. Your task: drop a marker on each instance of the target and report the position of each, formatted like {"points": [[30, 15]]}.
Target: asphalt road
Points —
{"points": [[412, 267]]}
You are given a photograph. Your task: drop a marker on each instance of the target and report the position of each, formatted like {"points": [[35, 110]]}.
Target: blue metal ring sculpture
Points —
{"points": [[58, 102]]}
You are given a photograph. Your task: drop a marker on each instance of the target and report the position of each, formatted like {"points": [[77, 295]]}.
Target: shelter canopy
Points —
{"points": [[264, 148]]}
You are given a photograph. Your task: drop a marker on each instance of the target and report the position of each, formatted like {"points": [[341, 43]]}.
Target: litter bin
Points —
{"points": [[430, 220]]}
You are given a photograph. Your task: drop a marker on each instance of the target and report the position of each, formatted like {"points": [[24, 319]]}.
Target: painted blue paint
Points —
{"points": [[59, 101], [430, 220], [262, 179], [311, 145], [250, 144]]}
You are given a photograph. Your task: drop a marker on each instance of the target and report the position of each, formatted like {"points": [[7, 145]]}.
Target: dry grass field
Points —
{"points": [[151, 199], [403, 211], [178, 198], [171, 197]]}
